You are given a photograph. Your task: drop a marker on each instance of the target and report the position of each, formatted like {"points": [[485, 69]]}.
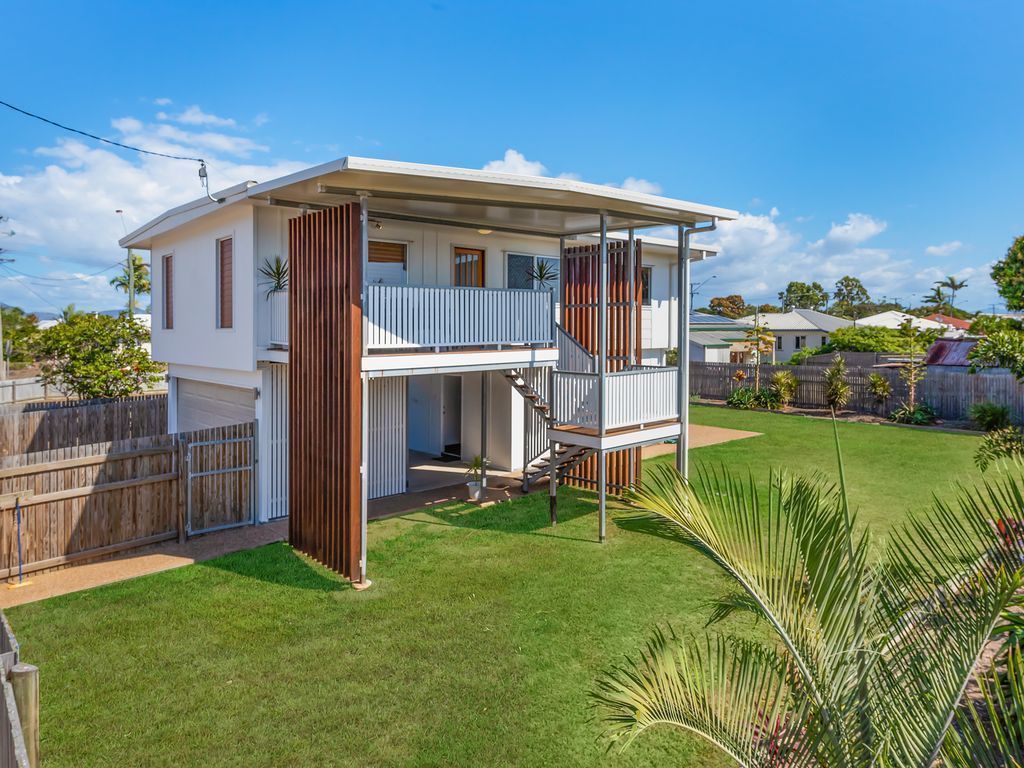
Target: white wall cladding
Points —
{"points": [[388, 459]]}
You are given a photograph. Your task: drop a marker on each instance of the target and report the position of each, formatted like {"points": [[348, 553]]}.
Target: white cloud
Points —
{"points": [[515, 162], [261, 119], [634, 184], [857, 228], [944, 249], [162, 102], [761, 254], [193, 115], [63, 210]]}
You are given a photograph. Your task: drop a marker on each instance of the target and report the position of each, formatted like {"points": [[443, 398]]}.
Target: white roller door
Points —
{"points": [[202, 404]]}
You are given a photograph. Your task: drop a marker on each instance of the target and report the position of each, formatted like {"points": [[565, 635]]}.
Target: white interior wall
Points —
{"points": [[501, 443], [424, 406]]}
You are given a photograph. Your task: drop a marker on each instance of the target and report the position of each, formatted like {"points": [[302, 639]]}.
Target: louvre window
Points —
{"points": [[225, 283]]}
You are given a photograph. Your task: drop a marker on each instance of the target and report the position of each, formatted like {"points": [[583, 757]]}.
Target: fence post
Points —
{"points": [[25, 682], [179, 447]]}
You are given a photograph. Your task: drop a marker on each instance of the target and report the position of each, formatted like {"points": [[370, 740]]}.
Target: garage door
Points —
{"points": [[202, 405]]}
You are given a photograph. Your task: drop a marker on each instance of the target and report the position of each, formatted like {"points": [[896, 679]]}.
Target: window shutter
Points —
{"points": [[226, 281], [388, 253], [168, 278]]}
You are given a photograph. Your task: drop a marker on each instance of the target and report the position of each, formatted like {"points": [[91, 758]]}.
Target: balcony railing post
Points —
{"points": [[602, 326]]}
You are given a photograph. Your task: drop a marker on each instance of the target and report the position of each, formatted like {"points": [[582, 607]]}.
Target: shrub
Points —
{"points": [[769, 398], [785, 383], [999, 444], [990, 416], [837, 388], [879, 387], [743, 398], [919, 415]]}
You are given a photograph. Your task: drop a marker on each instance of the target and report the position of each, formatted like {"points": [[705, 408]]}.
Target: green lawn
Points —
{"points": [[476, 645]]}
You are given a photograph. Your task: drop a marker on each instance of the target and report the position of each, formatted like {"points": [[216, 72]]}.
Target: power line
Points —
{"points": [[100, 138], [41, 298], [81, 278]]}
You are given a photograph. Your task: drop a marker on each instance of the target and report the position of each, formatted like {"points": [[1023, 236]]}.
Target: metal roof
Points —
{"points": [[434, 194], [949, 352], [798, 320]]}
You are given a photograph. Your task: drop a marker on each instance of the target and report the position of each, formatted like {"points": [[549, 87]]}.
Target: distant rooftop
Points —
{"points": [[798, 320]]}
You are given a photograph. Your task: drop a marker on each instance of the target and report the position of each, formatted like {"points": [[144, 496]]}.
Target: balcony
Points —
{"points": [[636, 397], [419, 317]]}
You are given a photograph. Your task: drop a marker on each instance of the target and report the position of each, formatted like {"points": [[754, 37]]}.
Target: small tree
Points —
{"points": [[20, 330], [732, 305], [758, 341], [1002, 349], [800, 295], [952, 285], [1008, 274], [914, 371], [880, 388], [91, 356]]}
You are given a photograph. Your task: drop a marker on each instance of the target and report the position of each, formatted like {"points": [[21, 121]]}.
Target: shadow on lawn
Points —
{"points": [[527, 515], [650, 525], [279, 564]]}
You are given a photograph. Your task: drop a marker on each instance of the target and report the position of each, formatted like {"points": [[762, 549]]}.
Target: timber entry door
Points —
{"points": [[468, 269]]}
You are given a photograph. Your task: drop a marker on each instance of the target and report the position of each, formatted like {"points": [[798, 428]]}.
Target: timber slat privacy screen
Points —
{"points": [[325, 403], [581, 264]]}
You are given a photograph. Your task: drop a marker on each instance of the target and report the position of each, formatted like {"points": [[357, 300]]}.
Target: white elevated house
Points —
{"points": [[797, 329], [455, 313]]}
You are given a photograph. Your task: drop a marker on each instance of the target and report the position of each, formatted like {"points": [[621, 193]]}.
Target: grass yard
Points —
{"points": [[476, 646]]}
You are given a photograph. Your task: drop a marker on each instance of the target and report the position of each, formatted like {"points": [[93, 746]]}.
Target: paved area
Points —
{"points": [[159, 557], [162, 557], [700, 436]]}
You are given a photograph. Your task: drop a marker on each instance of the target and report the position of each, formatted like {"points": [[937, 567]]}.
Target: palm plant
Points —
{"points": [[953, 285], [936, 299], [543, 273], [276, 274], [870, 657], [123, 281]]}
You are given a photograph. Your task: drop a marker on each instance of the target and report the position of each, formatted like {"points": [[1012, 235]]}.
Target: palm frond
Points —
{"points": [[736, 695], [991, 734]]}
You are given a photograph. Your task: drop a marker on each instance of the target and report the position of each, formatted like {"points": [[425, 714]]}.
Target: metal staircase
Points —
{"points": [[566, 456]]}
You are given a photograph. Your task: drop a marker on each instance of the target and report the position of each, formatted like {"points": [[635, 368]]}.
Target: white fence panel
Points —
{"points": [[640, 396]]}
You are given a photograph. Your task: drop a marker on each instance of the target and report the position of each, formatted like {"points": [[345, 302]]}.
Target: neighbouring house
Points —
{"points": [[894, 319], [716, 339], [957, 326], [417, 323], [794, 330]]}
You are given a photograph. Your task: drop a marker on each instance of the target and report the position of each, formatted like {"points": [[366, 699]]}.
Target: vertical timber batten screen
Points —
{"points": [[581, 265], [325, 393]]}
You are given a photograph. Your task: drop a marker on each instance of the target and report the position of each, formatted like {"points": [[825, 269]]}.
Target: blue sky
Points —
{"points": [[881, 139]]}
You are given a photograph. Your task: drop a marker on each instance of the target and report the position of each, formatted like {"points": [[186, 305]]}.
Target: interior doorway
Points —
{"points": [[451, 418]]}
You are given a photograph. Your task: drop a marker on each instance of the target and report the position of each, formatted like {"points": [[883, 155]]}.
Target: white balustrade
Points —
{"points": [[642, 395], [278, 301], [408, 316]]}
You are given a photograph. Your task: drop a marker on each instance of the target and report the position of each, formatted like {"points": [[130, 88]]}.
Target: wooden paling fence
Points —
{"points": [[950, 393], [35, 427], [62, 506], [19, 706]]}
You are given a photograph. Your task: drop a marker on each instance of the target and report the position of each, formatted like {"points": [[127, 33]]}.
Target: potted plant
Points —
{"points": [[475, 482], [275, 272]]}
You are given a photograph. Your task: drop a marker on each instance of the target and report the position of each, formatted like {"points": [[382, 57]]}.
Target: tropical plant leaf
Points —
{"points": [[991, 734], [736, 695]]}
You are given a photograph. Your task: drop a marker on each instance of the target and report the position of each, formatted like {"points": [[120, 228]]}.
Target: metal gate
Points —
{"points": [[220, 484]]}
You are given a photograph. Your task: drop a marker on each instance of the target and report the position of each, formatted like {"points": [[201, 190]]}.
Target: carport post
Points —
{"points": [[484, 381], [364, 451], [602, 492], [683, 358]]}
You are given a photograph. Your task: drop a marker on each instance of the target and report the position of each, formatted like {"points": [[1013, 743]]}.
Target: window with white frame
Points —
{"points": [[525, 270]]}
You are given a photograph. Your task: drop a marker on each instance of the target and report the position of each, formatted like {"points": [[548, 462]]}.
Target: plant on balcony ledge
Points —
{"points": [[276, 274]]}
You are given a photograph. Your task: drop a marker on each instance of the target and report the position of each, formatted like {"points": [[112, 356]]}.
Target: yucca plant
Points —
{"points": [[276, 274], [869, 654]]}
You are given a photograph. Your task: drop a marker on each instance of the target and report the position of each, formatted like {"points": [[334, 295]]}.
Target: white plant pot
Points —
{"points": [[476, 491]]}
